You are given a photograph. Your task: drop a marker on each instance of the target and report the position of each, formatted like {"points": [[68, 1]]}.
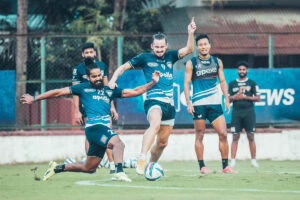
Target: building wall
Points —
{"points": [[22, 149]]}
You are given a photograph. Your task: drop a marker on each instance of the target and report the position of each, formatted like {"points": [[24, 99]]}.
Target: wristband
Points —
{"points": [[34, 99]]}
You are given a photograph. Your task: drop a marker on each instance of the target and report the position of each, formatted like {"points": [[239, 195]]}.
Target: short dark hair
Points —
{"points": [[89, 64], [240, 63], [159, 36], [201, 36], [87, 46]]}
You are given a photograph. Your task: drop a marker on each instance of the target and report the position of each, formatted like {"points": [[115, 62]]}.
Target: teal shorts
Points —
{"points": [[98, 137], [167, 110], [210, 112]]}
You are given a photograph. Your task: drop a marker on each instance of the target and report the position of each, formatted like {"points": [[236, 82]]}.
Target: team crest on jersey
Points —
{"points": [[169, 64], [163, 66], [89, 90], [152, 64], [198, 66]]}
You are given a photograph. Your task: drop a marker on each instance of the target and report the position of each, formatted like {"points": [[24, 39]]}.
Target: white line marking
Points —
{"points": [[244, 172], [94, 183]]}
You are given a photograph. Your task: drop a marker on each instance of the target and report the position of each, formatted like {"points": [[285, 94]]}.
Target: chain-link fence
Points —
{"points": [[63, 53]]}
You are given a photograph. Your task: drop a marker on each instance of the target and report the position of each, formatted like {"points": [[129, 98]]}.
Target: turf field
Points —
{"points": [[273, 180]]}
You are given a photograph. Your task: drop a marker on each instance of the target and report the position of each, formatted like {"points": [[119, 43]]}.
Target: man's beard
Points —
{"points": [[98, 86], [242, 75]]}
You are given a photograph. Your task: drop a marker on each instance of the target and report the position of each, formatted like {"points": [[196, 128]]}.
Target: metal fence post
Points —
{"points": [[43, 82], [120, 48], [271, 52]]}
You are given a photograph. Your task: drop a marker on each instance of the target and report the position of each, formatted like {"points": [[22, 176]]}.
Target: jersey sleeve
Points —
{"points": [[75, 75], [117, 93], [76, 89], [137, 61], [174, 55]]}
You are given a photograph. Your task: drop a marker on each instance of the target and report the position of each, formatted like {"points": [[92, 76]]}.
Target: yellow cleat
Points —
{"points": [[50, 171], [140, 166]]}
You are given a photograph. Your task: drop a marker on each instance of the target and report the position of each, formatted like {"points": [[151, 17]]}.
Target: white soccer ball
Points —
{"points": [[153, 171]]}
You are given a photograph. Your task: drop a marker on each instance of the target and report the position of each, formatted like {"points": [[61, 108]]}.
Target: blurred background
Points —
{"points": [[40, 44]]}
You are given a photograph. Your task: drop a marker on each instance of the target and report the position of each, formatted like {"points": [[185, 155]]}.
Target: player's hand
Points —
{"points": [[112, 85], [27, 99], [192, 26], [78, 118], [114, 114], [155, 76], [190, 108], [227, 106]]}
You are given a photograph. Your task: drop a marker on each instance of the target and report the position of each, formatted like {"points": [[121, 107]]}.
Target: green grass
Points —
{"points": [[276, 180]]}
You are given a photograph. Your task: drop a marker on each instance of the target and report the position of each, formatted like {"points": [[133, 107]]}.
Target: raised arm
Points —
{"points": [[223, 85], [28, 99], [117, 74], [141, 89], [189, 48], [187, 81]]}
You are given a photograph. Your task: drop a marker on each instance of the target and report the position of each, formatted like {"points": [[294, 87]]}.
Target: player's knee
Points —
{"points": [[223, 135], [236, 137], [155, 126], [250, 137], [163, 144], [90, 170]]}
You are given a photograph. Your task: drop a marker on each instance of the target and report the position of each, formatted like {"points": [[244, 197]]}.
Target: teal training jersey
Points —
{"points": [[96, 102], [204, 79], [163, 90]]}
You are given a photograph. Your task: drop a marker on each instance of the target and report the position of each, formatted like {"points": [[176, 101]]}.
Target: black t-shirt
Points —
{"points": [[250, 89]]}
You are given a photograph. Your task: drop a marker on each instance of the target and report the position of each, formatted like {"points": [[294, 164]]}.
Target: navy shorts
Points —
{"points": [[243, 119], [210, 112], [168, 111], [98, 137]]}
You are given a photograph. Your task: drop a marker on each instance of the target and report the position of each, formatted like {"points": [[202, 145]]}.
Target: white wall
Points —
{"points": [[275, 146]]}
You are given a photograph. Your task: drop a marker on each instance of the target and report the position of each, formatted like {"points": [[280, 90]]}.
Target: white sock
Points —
{"points": [[112, 166]]}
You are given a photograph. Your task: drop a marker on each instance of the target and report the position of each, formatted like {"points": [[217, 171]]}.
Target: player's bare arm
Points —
{"points": [[117, 74], [187, 81], [189, 48], [142, 89], [223, 85], [28, 99]]}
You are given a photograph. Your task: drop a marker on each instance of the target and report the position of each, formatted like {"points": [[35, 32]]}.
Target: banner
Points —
{"points": [[279, 88], [7, 98]]}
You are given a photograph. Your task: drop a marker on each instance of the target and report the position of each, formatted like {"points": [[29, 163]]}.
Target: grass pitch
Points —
{"points": [[273, 180]]}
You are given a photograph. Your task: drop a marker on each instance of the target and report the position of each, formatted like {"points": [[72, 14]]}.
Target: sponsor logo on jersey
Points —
{"points": [[168, 75], [152, 64], [205, 62], [89, 90], [104, 98], [206, 71], [169, 64], [163, 66]]}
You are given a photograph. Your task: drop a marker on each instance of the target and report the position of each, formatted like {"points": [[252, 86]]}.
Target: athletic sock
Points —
{"points": [[225, 163], [201, 164], [59, 168], [119, 167], [112, 165]]}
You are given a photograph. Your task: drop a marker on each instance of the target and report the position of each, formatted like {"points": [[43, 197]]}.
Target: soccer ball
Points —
{"points": [[153, 171]]}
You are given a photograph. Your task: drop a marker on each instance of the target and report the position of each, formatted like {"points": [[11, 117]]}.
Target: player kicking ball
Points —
{"points": [[96, 99]]}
